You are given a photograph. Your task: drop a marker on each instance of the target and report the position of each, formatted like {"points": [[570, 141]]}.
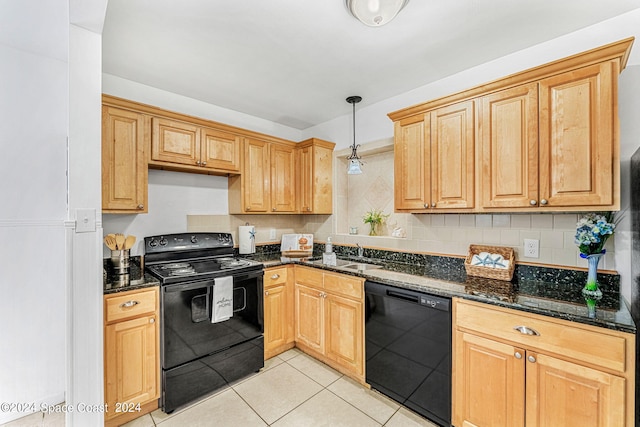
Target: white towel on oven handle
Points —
{"points": [[222, 307]]}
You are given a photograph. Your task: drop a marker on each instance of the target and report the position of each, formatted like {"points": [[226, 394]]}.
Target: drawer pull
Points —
{"points": [[129, 304], [525, 330], [532, 359], [518, 355], [275, 276]]}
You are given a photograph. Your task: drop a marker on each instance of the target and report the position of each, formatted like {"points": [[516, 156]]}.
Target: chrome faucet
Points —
{"points": [[360, 250]]}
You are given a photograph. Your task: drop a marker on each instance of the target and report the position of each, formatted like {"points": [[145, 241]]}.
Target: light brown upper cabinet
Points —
{"points": [[509, 146], [579, 144], [267, 183], [177, 143], [124, 160], [547, 140], [435, 158], [315, 171]]}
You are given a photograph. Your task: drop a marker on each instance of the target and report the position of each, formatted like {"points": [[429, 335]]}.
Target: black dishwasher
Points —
{"points": [[408, 348]]}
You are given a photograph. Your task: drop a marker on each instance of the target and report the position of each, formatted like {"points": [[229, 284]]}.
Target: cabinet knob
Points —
{"points": [[518, 355], [197, 162], [152, 320], [308, 209], [273, 209], [203, 164], [426, 206], [266, 292], [248, 208], [140, 206], [533, 202], [543, 202], [526, 330], [129, 304], [531, 359], [433, 204], [275, 276]]}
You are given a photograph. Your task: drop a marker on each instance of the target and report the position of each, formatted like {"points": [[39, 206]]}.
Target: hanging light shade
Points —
{"points": [[355, 165], [375, 13]]}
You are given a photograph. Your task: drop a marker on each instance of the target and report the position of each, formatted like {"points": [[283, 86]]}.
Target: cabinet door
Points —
{"points": [[489, 387], [220, 150], [453, 156], [509, 147], [344, 332], [411, 162], [275, 318], [175, 142], [309, 317], [256, 176], [131, 362], [561, 393], [124, 162], [577, 137], [283, 182]]}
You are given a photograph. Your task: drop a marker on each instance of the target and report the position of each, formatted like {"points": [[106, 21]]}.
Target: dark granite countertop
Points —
{"points": [[137, 278], [550, 292]]}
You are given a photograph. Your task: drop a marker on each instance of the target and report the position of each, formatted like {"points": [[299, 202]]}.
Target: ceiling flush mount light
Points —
{"points": [[355, 165], [375, 13]]}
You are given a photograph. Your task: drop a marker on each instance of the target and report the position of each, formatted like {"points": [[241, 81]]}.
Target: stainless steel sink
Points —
{"points": [[339, 262], [361, 266]]}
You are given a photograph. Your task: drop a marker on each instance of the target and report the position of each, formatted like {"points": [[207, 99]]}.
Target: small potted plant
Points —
{"points": [[375, 218]]}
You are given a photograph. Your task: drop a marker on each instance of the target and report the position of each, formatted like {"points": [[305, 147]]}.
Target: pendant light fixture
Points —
{"points": [[355, 165], [375, 13]]}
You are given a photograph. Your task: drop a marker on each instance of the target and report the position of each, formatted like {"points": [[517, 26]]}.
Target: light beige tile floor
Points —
{"points": [[292, 389]]}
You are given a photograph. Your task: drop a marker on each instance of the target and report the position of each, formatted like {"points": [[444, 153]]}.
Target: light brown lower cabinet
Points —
{"points": [[278, 311], [329, 319], [512, 369], [131, 354]]}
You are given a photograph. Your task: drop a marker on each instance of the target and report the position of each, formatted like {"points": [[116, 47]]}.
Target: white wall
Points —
{"points": [[33, 106]]}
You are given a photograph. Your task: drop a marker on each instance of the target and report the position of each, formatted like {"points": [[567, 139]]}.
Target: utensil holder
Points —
{"points": [[120, 261]]}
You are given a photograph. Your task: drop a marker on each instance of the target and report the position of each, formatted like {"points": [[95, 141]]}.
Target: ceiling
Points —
{"points": [[294, 62]]}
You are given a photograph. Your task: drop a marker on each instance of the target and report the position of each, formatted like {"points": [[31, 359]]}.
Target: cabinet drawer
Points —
{"points": [[576, 341], [309, 276], [130, 304], [275, 276], [343, 284]]}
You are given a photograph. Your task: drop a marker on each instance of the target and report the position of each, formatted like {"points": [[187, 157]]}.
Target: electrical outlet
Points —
{"points": [[532, 248], [272, 234]]}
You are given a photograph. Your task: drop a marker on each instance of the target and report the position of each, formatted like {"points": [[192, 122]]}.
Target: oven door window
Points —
{"points": [[187, 330]]}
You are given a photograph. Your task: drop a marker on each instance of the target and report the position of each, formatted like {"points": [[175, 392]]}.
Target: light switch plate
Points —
{"points": [[85, 220]]}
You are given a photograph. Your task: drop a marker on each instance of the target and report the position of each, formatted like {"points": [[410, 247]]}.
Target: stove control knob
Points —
{"points": [[163, 241], [153, 243], [194, 239]]}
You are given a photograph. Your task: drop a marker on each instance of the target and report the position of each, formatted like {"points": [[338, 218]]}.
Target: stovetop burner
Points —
{"points": [[177, 258]]}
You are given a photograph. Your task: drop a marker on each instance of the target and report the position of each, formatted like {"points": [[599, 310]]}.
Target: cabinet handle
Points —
{"points": [[203, 164], [273, 209], [198, 163], [266, 292], [433, 204], [526, 330], [426, 206], [532, 359], [248, 208], [308, 209], [543, 202], [533, 202], [275, 276], [518, 355], [152, 320], [140, 206], [129, 304]]}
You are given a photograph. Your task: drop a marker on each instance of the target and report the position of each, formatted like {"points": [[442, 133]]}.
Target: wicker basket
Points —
{"points": [[490, 272]]}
